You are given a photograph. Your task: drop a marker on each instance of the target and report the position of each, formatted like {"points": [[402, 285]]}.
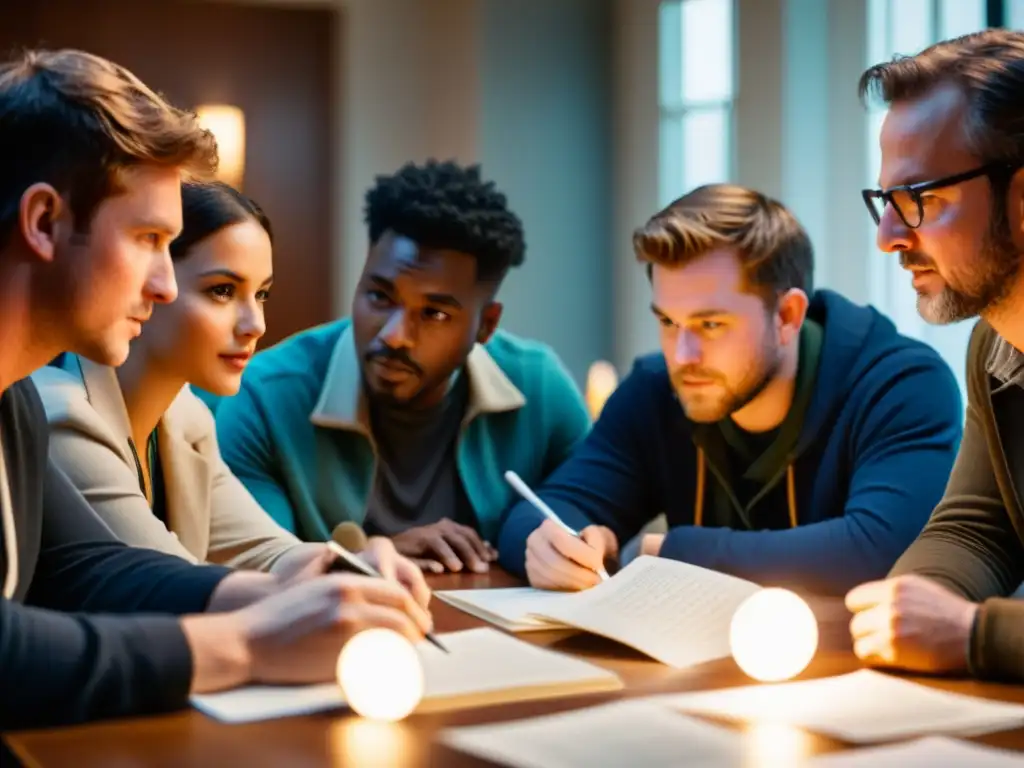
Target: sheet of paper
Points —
{"points": [[623, 733], [929, 752], [485, 661], [674, 612], [860, 707], [509, 608], [483, 666]]}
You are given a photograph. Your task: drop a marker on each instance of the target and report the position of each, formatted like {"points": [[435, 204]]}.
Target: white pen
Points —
{"points": [[524, 490], [351, 562]]}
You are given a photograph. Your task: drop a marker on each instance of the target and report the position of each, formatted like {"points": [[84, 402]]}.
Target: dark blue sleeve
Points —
{"points": [[82, 566], [602, 482], [66, 654], [905, 442]]}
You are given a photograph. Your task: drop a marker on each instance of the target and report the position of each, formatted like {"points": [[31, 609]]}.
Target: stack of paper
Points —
{"points": [[676, 613], [483, 667], [930, 752], [621, 734], [861, 707]]}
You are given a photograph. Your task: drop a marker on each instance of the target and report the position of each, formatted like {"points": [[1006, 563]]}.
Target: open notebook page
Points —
{"points": [[623, 733], [674, 612], [484, 666], [929, 752], [509, 608], [860, 707]]}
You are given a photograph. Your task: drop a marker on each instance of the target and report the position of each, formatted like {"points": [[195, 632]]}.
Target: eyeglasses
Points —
{"points": [[906, 199]]}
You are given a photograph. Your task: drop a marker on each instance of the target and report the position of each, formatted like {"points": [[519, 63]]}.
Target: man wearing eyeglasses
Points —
{"points": [[951, 204]]}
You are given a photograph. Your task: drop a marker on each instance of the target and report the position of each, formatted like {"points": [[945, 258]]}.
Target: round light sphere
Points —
{"points": [[773, 635], [380, 674]]}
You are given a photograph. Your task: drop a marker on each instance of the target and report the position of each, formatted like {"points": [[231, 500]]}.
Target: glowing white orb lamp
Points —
{"points": [[773, 635], [381, 675]]}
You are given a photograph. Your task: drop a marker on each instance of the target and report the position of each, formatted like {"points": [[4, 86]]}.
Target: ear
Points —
{"points": [[488, 322], [40, 208], [792, 310]]}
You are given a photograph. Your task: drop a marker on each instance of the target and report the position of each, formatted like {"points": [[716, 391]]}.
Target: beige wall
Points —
{"points": [[558, 99]]}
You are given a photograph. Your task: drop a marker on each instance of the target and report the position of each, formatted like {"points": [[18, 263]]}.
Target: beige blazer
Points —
{"points": [[210, 514]]}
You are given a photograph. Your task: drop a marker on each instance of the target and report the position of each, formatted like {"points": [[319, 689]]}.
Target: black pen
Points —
{"points": [[351, 562]]}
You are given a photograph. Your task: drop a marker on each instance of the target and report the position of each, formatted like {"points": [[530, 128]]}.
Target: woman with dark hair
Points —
{"points": [[141, 446]]}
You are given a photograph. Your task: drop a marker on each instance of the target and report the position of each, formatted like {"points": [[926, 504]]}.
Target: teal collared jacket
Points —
{"points": [[298, 435]]}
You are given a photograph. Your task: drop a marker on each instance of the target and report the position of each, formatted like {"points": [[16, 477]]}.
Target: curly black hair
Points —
{"points": [[445, 205]]}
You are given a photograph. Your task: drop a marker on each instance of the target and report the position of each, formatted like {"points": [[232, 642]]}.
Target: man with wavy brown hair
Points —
{"points": [[789, 436], [91, 162]]}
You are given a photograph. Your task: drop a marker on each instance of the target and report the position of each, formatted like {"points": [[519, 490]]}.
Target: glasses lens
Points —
{"points": [[907, 207], [875, 205]]}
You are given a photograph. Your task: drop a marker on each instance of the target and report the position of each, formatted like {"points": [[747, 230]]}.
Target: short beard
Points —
{"points": [[996, 272], [752, 385]]}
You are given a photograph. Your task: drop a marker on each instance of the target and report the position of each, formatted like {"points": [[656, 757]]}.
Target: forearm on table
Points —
{"points": [[997, 642], [240, 589]]}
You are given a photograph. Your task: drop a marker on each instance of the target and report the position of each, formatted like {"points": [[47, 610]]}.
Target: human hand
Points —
{"points": [[296, 635], [555, 559], [380, 552], [912, 623], [302, 562], [445, 544]]}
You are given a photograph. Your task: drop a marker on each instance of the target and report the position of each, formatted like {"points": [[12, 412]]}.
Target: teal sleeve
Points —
{"points": [[248, 448]]}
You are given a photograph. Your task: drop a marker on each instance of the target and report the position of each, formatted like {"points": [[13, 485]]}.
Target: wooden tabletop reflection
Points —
{"points": [[340, 739]]}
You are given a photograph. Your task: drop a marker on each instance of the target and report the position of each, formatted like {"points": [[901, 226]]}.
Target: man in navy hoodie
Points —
{"points": [[789, 437]]}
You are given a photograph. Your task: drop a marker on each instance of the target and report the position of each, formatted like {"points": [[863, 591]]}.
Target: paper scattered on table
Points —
{"points": [[509, 608], [624, 733], [484, 667], [929, 752], [860, 707]]}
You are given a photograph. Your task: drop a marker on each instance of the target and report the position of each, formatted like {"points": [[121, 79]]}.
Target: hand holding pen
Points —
{"points": [[559, 557]]}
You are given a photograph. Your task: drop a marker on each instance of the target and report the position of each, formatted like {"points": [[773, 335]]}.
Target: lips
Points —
{"points": [[391, 371], [237, 360]]}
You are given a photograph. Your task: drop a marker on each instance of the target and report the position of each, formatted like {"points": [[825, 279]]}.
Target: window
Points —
{"points": [[1014, 14], [905, 27], [697, 76]]}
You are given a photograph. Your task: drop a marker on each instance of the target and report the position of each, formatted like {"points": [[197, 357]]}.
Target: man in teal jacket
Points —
{"points": [[405, 417]]}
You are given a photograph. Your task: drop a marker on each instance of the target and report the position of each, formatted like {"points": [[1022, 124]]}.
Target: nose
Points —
{"points": [[688, 350], [893, 235], [251, 322], [161, 287], [397, 332]]}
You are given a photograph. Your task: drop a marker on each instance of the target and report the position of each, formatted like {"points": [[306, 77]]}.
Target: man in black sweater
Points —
{"points": [[90, 167]]}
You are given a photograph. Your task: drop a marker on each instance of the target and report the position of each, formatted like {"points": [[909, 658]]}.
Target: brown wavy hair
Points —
{"points": [[773, 247], [75, 120]]}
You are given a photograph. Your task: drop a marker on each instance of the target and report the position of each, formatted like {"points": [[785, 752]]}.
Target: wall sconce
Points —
{"points": [[227, 124], [602, 379]]}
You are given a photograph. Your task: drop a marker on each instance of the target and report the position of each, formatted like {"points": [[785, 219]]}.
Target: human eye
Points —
{"points": [[376, 296], [263, 295], [221, 291], [665, 322], [436, 315]]}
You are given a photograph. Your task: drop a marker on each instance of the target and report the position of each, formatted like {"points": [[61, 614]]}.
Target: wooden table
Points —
{"points": [[191, 739]]}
